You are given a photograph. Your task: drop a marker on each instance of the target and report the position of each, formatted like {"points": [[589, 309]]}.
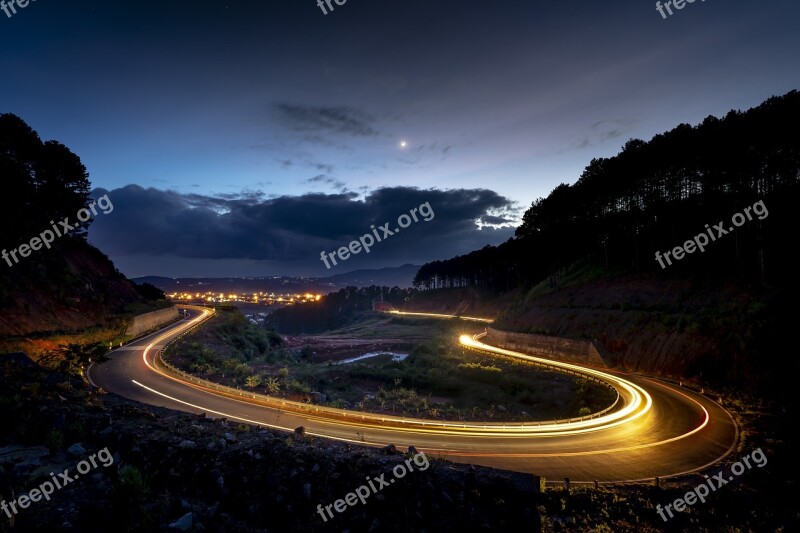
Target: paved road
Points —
{"points": [[656, 430]]}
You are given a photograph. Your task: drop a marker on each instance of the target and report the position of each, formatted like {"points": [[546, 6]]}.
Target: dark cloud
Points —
{"points": [[491, 220], [293, 230], [606, 130], [333, 182], [224, 201], [303, 160], [346, 120], [417, 153], [323, 167]]}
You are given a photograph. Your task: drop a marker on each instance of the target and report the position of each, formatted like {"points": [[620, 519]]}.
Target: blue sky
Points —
{"points": [[258, 101]]}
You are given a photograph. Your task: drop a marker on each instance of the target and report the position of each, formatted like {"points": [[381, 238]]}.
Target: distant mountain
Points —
{"points": [[401, 276]]}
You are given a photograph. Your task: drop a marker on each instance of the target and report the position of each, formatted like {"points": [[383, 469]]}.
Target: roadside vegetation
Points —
{"points": [[437, 380]]}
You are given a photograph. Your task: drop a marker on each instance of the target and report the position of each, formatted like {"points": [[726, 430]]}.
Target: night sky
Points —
{"points": [[245, 137]]}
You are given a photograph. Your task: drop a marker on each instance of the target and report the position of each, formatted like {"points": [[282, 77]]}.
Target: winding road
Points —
{"points": [[655, 429]]}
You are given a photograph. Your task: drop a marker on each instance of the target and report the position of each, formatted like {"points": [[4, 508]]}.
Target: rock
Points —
{"points": [[221, 482], [389, 449], [183, 523], [77, 450], [230, 437], [447, 497], [317, 397], [21, 454], [412, 450], [315, 468], [300, 430], [187, 444]]}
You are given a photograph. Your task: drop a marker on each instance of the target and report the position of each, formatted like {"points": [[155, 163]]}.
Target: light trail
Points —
{"points": [[637, 401], [547, 444], [437, 315]]}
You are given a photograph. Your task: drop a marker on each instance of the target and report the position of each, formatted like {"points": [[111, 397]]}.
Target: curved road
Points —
{"points": [[657, 430]]}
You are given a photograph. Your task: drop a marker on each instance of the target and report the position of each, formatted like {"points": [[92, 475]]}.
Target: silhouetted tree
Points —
{"points": [[654, 196], [42, 181]]}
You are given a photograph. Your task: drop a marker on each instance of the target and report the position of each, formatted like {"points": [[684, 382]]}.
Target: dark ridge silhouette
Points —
{"points": [[70, 285], [654, 196]]}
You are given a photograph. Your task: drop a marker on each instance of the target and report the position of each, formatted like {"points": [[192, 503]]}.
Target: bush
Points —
{"points": [[306, 352]]}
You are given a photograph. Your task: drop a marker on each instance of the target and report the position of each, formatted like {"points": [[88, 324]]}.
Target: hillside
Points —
{"points": [[711, 331], [75, 288], [65, 286], [673, 254]]}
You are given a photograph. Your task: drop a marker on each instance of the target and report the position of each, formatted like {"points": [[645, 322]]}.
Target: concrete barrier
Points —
{"points": [[569, 350], [148, 321]]}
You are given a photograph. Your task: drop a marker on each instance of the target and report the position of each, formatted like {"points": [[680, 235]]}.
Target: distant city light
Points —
{"points": [[252, 298]]}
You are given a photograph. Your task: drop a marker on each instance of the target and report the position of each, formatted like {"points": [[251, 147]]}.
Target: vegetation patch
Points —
{"points": [[438, 380]]}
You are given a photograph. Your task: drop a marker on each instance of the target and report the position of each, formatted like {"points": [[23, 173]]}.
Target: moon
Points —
{"points": [[403, 144]]}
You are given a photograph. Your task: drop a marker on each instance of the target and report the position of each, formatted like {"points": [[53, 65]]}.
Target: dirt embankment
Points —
{"points": [[467, 301], [69, 288], [336, 347], [676, 328]]}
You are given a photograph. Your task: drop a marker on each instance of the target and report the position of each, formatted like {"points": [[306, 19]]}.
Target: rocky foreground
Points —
{"points": [[153, 469], [180, 472]]}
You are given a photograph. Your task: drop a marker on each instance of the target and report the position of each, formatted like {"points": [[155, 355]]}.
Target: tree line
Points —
{"points": [[653, 196], [42, 181]]}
